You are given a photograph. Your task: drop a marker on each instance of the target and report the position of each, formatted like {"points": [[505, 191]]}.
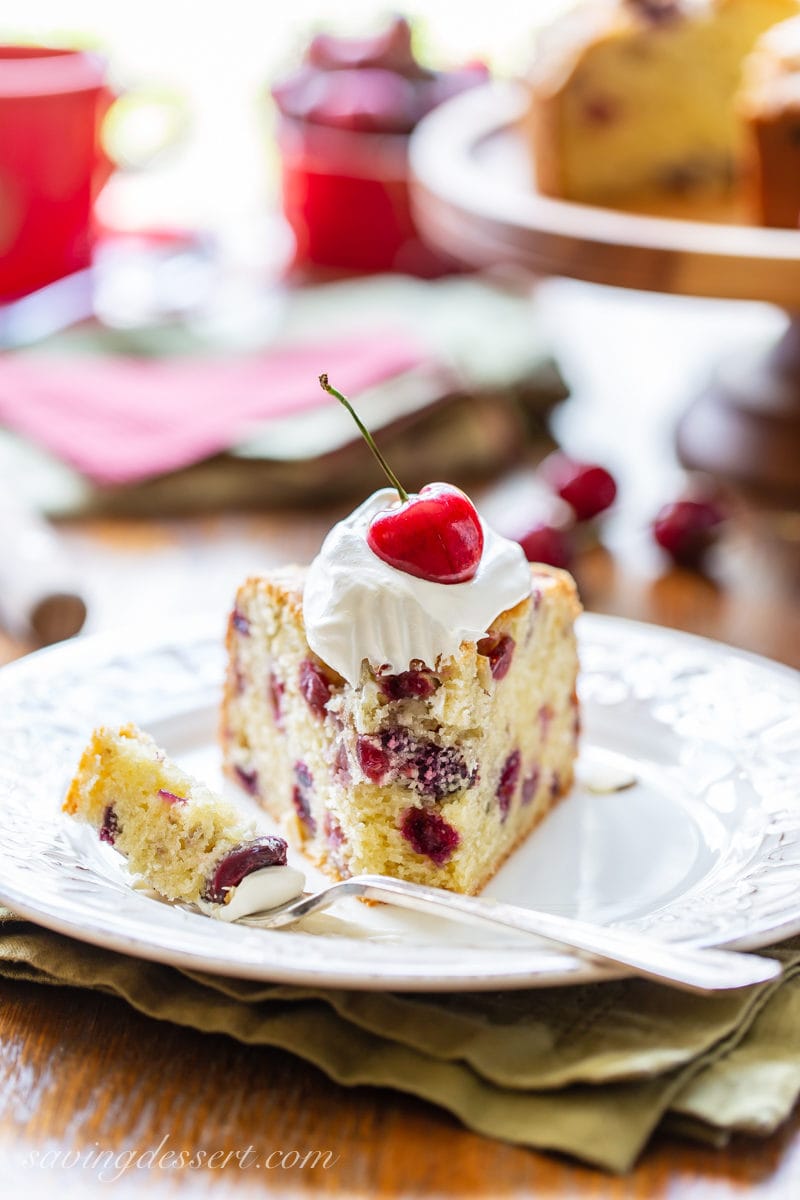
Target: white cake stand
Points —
{"points": [[475, 198]]}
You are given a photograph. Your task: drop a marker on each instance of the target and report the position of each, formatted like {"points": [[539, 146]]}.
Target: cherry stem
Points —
{"points": [[365, 433]]}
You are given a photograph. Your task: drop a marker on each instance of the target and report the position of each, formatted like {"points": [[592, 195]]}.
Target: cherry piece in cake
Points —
{"points": [[170, 797], [301, 797], [315, 687], [240, 623], [409, 685], [267, 851], [530, 784], [428, 833], [372, 759], [499, 649], [110, 826], [248, 779], [277, 689], [508, 782]]}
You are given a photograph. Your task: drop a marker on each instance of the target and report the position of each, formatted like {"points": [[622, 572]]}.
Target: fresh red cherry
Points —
{"points": [[587, 487], [687, 529], [435, 535], [546, 544]]}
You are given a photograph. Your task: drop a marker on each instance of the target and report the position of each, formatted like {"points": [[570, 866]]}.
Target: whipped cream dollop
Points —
{"points": [[262, 890], [357, 606]]}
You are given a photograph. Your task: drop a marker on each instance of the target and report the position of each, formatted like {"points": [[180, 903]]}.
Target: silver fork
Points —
{"points": [[686, 967]]}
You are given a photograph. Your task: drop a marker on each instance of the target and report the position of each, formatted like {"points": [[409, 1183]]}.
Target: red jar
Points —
{"points": [[346, 198], [346, 116], [52, 163]]}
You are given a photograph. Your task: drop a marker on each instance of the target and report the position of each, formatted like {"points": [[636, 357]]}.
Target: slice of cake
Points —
{"points": [[430, 773], [770, 107], [407, 705], [635, 98], [177, 836]]}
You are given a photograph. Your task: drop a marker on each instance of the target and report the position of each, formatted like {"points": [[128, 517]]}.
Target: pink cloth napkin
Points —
{"points": [[120, 420]]}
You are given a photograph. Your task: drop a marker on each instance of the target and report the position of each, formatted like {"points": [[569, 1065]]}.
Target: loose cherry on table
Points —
{"points": [[687, 529], [435, 535], [589, 488], [546, 544]]}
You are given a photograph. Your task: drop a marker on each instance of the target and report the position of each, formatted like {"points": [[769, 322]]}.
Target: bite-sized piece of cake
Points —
{"points": [[431, 774], [177, 836], [770, 107], [636, 98]]}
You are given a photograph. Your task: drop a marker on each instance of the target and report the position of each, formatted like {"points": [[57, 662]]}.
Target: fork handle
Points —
{"points": [[687, 967]]}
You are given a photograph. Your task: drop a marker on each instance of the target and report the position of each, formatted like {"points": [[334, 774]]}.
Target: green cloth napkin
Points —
{"points": [[589, 1071], [467, 413]]}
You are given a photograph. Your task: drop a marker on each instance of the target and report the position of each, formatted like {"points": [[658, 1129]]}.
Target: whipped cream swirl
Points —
{"points": [[356, 606]]}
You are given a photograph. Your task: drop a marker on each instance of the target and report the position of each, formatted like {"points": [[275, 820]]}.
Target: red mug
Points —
{"points": [[52, 163]]}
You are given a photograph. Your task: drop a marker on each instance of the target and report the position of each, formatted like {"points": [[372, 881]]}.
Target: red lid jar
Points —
{"points": [[346, 116]]}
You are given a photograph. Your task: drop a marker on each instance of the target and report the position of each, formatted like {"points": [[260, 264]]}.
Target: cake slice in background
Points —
{"points": [[630, 99], [770, 107], [178, 837]]}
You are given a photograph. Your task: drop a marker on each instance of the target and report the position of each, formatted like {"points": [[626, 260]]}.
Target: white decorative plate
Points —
{"points": [[704, 847]]}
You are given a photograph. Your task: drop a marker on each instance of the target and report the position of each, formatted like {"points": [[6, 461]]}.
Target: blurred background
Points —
{"points": [[247, 225], [221, 62]]}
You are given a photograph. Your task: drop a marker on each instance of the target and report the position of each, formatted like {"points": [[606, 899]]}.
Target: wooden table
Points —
{"points": [[81, 1071]]}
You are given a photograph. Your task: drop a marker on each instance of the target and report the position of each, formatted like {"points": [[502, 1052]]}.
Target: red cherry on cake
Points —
{"points": [[435, 535]]}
